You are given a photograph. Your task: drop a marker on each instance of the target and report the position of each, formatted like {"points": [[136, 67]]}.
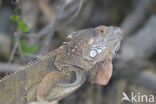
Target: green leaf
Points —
{"points": [[22, 26], [28, 48], [15, 18]]}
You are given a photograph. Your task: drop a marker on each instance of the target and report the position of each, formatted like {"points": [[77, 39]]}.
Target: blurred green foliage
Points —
{"points": [[14, 18], [20, 23], [28, 48]]}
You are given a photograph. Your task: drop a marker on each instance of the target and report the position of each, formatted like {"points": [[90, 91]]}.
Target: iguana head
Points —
{"points": [[93, 45], [92, 50], [101, 42]]}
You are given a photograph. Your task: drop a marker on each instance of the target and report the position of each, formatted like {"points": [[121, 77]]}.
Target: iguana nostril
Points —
{"points": [[101, 31]]}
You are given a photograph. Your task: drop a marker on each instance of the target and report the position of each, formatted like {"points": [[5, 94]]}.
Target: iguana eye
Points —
{"points": [[93, 53]]}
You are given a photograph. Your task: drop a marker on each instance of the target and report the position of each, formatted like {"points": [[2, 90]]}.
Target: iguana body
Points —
{"points": [[56, 75]]}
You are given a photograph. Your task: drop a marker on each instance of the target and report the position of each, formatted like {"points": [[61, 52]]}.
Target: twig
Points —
{"points": [[1, 2], [46, 10], [5, 67], [40, 103], [136, 17], [67, 10], [15, 46]]}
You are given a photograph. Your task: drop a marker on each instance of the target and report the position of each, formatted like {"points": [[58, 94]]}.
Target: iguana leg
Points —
{"points": [[48, 83], [55, 86]]}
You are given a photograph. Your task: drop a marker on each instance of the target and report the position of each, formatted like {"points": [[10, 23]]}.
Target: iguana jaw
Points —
{"points": [[114, 39]]}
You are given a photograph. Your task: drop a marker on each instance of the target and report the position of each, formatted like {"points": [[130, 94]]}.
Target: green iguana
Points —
{"points": [[59, 73]]}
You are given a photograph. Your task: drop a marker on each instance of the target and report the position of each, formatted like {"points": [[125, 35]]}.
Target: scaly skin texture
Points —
{"points": [[61, 72]]}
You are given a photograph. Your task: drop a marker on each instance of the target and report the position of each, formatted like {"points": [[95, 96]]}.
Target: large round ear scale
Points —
{"points": [[93, 53]]}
